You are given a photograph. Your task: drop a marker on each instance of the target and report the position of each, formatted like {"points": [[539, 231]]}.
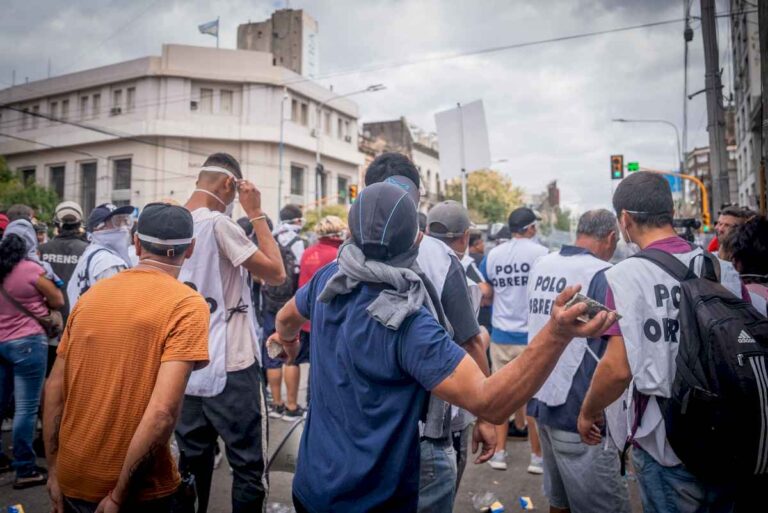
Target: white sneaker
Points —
{"points": [[537, 465], [498, 461]]}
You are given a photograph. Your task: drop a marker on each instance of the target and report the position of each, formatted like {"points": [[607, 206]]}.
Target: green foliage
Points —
{"points": [[13, 192], [491, 196], [311, 217], [563, 221]]}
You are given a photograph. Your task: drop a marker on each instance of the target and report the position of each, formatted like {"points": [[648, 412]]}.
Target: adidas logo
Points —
{"points": [[746, 338]]}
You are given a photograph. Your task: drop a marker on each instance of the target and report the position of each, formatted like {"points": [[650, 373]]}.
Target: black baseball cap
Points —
{"points": [[383, 221], [166, 225], [104, 212], [521, 218]]}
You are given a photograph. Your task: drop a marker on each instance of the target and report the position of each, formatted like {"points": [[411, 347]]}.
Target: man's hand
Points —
{"points": [[289, 348], [485, 434], [54, 492], [250, 198], [564, 324], [107, 505], [589, 428]]}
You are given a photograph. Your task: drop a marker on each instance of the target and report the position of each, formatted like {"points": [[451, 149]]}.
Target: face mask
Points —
{"points": [[162, 264], [632, 248], [229, 208], [116, 239]]}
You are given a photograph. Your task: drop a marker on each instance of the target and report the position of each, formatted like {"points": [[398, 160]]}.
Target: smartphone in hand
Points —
{"points": [[593, 307]]}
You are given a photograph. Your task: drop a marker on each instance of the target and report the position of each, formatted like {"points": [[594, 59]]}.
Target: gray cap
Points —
{"points": [[448, 219]]}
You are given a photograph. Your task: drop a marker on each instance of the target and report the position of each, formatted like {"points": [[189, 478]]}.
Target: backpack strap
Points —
{"points": [[88, 269], [668, 262]]}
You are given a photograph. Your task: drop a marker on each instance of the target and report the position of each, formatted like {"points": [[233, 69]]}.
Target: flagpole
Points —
{"points": [[217, 31]]}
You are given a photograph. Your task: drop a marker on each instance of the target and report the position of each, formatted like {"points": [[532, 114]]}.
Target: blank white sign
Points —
{"points": [[467, 120]]}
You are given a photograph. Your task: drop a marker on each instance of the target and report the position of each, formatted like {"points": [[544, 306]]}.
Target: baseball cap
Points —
{"points": [[383, 220], [68, 212], [521, 218], [167, 225], [448, 219], [104, 213]]}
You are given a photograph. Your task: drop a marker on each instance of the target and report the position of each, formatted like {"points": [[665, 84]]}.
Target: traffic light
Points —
{"points": [[617, 167], [352, 192]]}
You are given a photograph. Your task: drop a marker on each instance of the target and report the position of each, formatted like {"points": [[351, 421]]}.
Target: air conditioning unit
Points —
{"points": [[348, 138], [115, 111], [193, 105], [313, 133]]}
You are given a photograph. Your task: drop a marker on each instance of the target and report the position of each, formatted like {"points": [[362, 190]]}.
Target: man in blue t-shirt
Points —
{"points": [[377, 350]]}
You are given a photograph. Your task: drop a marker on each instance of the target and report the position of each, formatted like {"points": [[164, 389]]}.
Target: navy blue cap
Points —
{"points": [[104, 212], [521, 218], [383, 220]]}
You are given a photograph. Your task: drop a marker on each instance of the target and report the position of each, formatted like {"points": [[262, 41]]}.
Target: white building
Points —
{"points": [[138, 131], [747, 89]]}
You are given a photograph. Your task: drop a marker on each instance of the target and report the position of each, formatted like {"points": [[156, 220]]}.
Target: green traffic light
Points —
{"points": [[633, 166]]}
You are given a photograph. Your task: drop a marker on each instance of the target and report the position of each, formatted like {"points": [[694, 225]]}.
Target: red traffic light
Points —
{"points": [[617, 167]]}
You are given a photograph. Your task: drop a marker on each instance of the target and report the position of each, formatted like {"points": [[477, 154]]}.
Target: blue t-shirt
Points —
{"points": [[360, 447]]}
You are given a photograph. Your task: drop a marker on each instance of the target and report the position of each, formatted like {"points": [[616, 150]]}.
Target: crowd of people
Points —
{"points": [[427, 344]]}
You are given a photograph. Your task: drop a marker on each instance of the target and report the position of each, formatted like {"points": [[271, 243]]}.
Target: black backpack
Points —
{"points": [[717, 416], [275, 296]]}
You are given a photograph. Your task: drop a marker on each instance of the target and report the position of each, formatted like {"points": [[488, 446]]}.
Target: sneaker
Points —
{"points": [[498, 461], [277, 411], [293, 414], [6, 463], [39, 476], [537, 465], [514, 432]]}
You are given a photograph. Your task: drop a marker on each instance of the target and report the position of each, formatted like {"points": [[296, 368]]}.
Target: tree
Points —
{"points": [[491, 196], [13, 191], [311, 217], [563, 221]]}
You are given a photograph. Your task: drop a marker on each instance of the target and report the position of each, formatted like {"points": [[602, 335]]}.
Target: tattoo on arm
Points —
{"points": [[142, 467], [54, 441]]}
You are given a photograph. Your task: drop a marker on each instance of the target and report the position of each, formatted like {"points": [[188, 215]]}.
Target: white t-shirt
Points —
{"points": [[234, 249], [507, 268]]}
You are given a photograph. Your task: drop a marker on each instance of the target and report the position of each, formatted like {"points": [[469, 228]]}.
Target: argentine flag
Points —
{"points": [[212, 28]]}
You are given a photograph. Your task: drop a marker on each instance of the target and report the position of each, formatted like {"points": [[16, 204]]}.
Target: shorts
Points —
{"points": [[580, 477], [268, 328], [303, 356], [502, 354]]}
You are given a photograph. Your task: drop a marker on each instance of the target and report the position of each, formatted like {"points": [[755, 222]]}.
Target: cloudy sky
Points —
{"points": [[548, 107]]}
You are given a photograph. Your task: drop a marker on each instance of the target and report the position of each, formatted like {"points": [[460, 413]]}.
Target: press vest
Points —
{"points": [[648, 299], [508, 267], [201, 272], [550, 276], [63, 254]]}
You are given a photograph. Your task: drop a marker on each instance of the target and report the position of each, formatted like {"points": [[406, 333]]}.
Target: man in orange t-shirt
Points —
{"points": [[116, 389]]}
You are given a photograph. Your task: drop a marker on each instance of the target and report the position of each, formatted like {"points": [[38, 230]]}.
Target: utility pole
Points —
{"points": [[718, 156], [687, 37], [762, 23]]}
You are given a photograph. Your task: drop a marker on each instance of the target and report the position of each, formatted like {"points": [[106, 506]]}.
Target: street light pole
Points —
{"points": [[318, 165], [680, 162], [281, 151]]}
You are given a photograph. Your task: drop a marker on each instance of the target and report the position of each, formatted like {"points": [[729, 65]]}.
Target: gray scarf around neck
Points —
{"points": [[391, 307]]}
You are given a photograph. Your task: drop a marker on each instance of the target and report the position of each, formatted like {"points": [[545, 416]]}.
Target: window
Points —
{"points": [[346, 131], [226, 101], [297, 181], [130, 96], [35, 116], [25, 118], [339, 128], [122, 174], [96, 105], [56, 180], [304, 114], [64, 109], [83, 107], [327, 123], [28, 175], [53, 110], [342, 185], [206, 100], [88, 186], [117, 99], [294, 111]]}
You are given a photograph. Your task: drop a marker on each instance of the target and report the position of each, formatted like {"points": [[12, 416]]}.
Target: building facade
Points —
{"points": [[139, 131], [748, 96], [420, 146]]}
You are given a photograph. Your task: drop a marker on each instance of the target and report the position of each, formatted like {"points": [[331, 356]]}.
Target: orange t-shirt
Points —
{"points": [[116, 338]]}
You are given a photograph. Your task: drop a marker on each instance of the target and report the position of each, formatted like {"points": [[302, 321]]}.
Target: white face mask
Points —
{"points": [[632, 248], [116, 239], [229, 208]]}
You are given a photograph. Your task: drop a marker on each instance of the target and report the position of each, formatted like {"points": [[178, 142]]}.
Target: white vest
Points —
{"points": [[475, 294], [435, 260], [729, 278], [101, 261], [648, 298], [507, 268], [202, 272], [550, 275]]}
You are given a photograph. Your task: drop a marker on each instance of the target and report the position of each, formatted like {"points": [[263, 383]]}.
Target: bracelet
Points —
{"points": [[259, 218], [109, 496]]}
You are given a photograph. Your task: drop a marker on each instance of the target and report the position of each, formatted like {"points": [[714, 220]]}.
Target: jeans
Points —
{"points": [[235, 415], [437, 476], [22, 371], [461, 447], [675, 490]]}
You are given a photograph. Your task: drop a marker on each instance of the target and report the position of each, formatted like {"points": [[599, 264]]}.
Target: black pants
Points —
{"points": [[236, 416], [155, 506]]}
